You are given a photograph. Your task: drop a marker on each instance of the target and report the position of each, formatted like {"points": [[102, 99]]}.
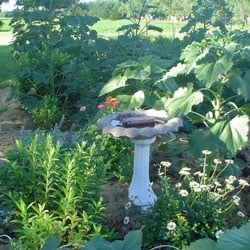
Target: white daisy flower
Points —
{"points": [[166, 164], [219, 233], [183, 192], [171, 225], [185, 171]]}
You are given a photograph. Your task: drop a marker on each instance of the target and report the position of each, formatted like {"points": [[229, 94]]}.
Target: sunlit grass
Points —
{"points": [[7, 64], [109, 27], [5, 26]]}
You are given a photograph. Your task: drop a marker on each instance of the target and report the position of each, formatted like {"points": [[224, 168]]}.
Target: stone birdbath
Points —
{"points": [[142, 127]]}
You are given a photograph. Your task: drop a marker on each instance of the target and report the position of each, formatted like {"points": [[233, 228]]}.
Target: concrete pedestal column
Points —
{"points": [[140, 190]]}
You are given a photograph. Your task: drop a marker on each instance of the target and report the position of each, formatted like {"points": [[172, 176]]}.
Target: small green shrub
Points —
{"points": [[194, 206], [48, 112], [51, 190]]}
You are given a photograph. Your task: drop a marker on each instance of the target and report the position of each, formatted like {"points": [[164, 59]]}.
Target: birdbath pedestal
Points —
{"points": [[141, 126], [140, 191]]}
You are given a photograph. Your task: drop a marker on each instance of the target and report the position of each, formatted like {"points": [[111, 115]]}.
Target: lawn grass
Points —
{"points": [[7, 64], [108, 28], [6, 22]]}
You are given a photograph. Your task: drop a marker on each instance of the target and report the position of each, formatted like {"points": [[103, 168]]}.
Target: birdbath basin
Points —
{"points": [[142, 127]]}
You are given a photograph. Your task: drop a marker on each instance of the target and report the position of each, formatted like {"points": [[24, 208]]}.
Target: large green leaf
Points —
{"points": [[98, 244], [209, 72], [203, 139], [236, 239], [173, 72], [182, 101], [169, 85], [51, 244], [132, 241], [246, 109], [204, 244], [138, 73], [241, 86], [114, 83], [154, 28], [192, 55], [234, 132], [132, 101], [128, 27]]}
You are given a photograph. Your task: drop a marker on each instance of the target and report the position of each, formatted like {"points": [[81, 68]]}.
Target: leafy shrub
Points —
{"points": [[50, 191], [194, 206], [231, 239], [209, 86], [131, 241], [216, 92], [58, 55], [48, 112]]}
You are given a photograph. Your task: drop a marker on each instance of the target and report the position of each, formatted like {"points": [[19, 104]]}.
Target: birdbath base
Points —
{"points": [[140, 191]]}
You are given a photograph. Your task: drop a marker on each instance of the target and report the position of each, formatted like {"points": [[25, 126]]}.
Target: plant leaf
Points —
{"points": [[241, 86], [98, 244], [183, 101], [173, 72], [138, 73], [115, 83], [132, 101], [51, 244], [132, 240], [204, 244], [234, 132], [246, 109], [210, 72], [154, 28], [209, 141], [236, 238]]}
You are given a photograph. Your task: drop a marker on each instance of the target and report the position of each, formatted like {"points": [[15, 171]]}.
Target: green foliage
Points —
{"points": [[235, 238], [134, 81], [47, 113], [138, 12], [8, 64], [207, 13], [219, 95], [132, 241], [58, 56], [52, 191], [194, 206]]}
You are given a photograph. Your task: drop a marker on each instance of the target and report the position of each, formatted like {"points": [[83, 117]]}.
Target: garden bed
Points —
{"points": [[13, 118]]}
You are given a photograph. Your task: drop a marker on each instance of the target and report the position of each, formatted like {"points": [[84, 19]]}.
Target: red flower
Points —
{"points": [[116, 103]]}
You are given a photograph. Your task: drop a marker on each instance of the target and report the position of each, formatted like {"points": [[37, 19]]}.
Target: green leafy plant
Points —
{"points": [[207, 14], [48, 112], [133, 82], [133, 241], [51, 190], [139, 23], [217, 94], [235, 238], [58, 55], [194, 206]]}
